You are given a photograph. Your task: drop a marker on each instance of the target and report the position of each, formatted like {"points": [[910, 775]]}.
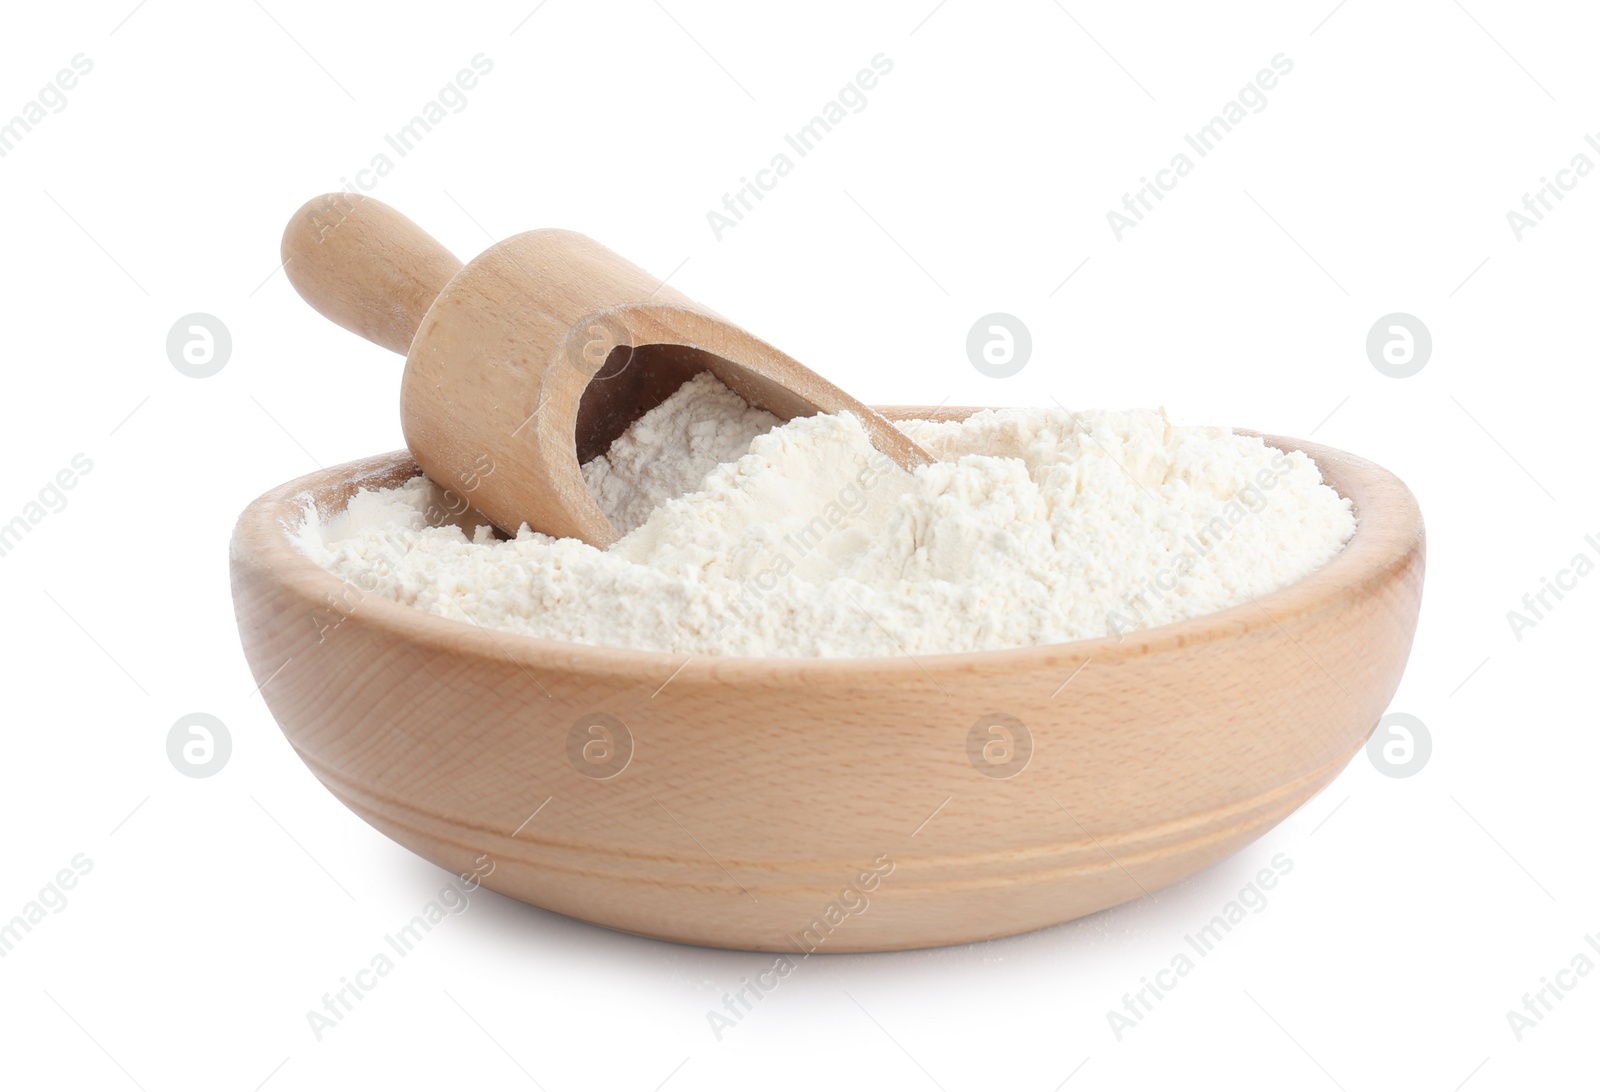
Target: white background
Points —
{"points": [[1377, 179]]}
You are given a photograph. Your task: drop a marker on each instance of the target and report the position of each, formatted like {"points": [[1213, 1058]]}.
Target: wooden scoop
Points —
{"points": [[534, 357]]}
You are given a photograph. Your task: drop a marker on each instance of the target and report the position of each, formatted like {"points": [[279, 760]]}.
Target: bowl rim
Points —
{"points": [[1389, 536]]}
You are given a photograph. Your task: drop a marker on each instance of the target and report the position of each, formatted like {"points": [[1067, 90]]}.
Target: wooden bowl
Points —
{"points": [[848, 805]]}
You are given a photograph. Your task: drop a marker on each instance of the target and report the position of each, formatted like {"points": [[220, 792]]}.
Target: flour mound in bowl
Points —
{"points": [[746, 536]]}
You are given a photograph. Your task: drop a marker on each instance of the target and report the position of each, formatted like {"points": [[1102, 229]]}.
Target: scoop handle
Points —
{"points": [[366, 266]]}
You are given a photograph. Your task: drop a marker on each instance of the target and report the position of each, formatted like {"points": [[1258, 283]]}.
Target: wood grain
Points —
{"points": [[760, 791]]}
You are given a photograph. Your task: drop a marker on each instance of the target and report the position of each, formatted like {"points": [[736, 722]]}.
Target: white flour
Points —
{"points": [[802, 540], [671, 449]]}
